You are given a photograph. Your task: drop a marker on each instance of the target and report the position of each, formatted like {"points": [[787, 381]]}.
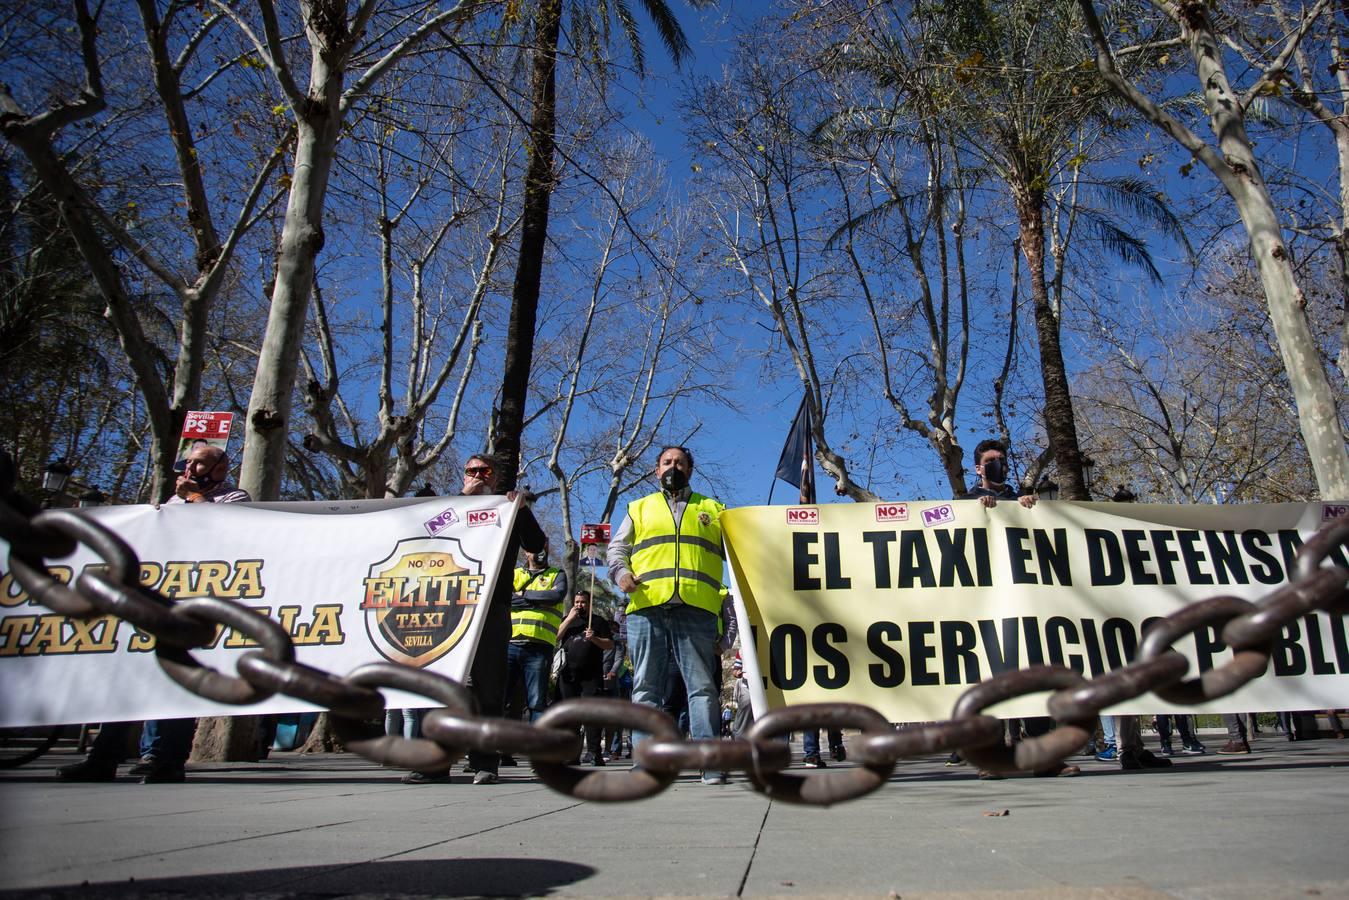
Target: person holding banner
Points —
{"points": [[990, 464], [165, 744], [667, 556], [488, 674]]}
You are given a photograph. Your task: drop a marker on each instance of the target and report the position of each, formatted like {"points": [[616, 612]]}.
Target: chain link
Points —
{"points": [[454, 728]]}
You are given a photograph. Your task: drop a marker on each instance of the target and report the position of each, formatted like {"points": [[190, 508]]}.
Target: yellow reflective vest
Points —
{"points": [[671, 557], [531, 618]]}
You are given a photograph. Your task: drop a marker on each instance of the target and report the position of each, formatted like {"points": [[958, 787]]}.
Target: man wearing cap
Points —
{"points": [[667, 556]]}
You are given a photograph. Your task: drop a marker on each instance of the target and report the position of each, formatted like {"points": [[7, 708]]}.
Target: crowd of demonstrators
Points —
{"points": [[165, 744], [663, 650]]}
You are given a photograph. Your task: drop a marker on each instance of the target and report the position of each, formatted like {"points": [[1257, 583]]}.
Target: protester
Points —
{"points": [[536, 615], [488, 675], [994, 484], [584, 638], [667, 556], [165, 744]]}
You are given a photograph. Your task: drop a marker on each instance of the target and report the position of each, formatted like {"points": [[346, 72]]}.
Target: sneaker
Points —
{"points": [[88, 770], [1232, 748], [714, 777], [1109, 754], [586, 759], [814, 762], [509, 761], [839, 753], [144, 767], [954, 759], [165, 773], [1195, 749], [485, 777], [426, 778], [1142, 759], [1062, 770], [599, 761], [1167, 750]]}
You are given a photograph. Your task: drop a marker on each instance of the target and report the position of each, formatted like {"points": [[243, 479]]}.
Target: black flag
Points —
{"points": [[797, 465]]}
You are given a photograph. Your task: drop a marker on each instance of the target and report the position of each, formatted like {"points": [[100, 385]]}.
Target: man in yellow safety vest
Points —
{"points": [[536, 612], [667, 556]]}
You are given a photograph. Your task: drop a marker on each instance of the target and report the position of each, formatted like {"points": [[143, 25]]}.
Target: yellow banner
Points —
{"points": [[903, 606]]}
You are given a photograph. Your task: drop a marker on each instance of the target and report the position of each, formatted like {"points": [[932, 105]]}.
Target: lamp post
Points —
{"points": [[92, 497], [1087, 465], [54, 479]]}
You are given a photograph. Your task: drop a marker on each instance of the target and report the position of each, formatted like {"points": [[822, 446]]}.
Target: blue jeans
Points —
{"points": [[405, 722], [810, 741], [167, 740], [686, 637], [1108, 731], [532, 660]]}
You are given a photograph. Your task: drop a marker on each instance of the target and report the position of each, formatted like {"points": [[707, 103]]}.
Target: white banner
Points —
{"points": [[353, 582]]}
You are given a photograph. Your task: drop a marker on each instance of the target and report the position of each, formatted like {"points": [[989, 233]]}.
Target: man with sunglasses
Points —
{"points": [[667, 556], [488, 674], [165, 744]]}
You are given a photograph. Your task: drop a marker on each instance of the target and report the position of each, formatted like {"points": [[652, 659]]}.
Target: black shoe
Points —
{"points": [[509, 761], [165, 773], [88, 770], [954, 759], [839, 753], [814, 762], [1142, 759], [599, 761], [144, 767], [586, 758]]}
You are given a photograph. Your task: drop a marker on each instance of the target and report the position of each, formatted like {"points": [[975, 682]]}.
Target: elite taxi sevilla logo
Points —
{"points": [[420, 600]]}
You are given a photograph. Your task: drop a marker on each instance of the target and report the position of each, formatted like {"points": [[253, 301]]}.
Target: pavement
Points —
{"points": [[1268, 825]]}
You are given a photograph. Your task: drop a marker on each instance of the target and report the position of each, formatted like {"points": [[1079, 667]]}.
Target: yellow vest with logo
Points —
{"points": [[669, 557], [538, 623]]}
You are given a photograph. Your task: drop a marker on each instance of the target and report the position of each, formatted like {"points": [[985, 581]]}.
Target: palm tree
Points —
{"points": [[590, 24]]}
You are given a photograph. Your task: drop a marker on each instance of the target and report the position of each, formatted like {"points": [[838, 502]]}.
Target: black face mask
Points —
{"points": [[994, 471], [672, 480]]}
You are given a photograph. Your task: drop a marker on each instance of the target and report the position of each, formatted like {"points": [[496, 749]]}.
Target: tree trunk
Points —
{"points": [[226, 738], [322, 738], [1060, 426], [533, 238]]}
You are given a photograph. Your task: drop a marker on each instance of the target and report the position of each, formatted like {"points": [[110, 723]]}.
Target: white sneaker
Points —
{"points": [[714, 778], [485, 778]]}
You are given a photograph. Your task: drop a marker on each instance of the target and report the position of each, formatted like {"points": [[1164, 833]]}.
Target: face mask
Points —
{"points": [[994, 471], [673, 479]]}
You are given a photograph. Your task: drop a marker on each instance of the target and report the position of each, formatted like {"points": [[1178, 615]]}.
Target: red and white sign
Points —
{"points": [[595, 534], [803, 515], [207, 426], [482, 517], [892, 512]]}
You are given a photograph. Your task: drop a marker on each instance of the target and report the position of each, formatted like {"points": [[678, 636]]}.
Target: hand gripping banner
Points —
{"points": [[904, 606], [351, 582]]}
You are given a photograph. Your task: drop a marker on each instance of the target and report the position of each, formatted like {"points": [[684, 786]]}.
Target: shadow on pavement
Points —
{"points": [[425, 877]]}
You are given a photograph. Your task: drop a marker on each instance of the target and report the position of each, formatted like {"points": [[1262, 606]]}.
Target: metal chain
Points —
{"points": [[454, 727]]}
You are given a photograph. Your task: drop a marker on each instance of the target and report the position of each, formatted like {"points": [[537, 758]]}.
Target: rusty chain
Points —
{"points": [[454, 728]]}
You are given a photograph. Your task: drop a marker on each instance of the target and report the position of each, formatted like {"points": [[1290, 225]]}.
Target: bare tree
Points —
{"points": [[102, 236], [1231, 159]]}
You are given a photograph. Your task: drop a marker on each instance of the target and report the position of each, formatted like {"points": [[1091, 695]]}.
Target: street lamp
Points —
{"points": [[92, 497], [1087, 465], [55, 476], [1047, 490]]}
